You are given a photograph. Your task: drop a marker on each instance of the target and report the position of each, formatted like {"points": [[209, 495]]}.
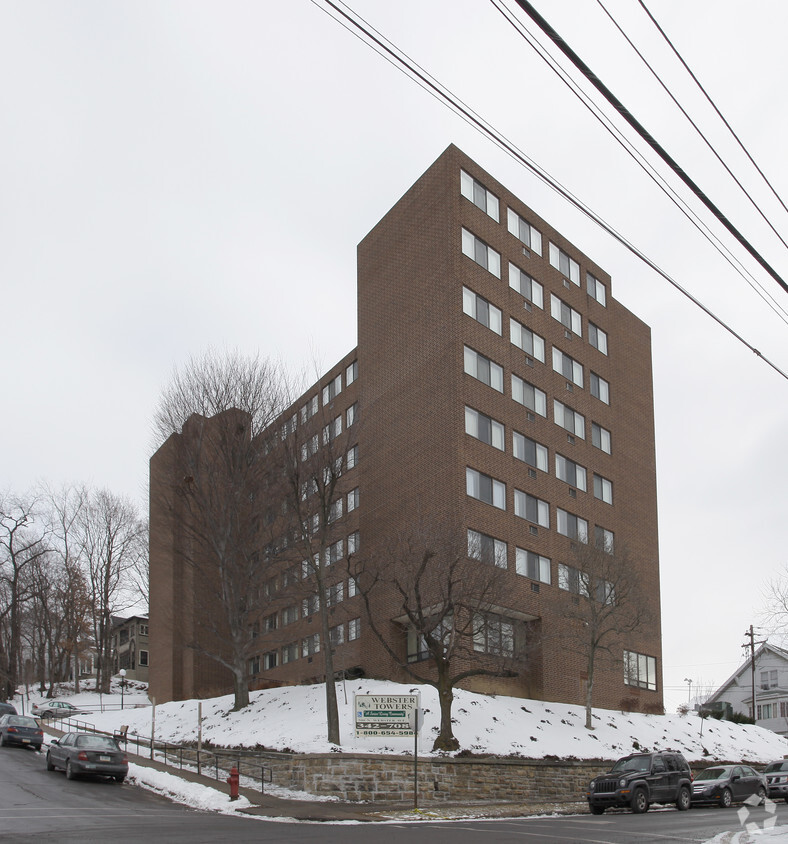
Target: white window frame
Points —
{"points": [[600, 388], [478, 194], [570, 472], [477, 551], [567, 366], [565, 264], [597, 338], [601, 438], [529, 341], [531, 508], [529, 396], [524, 231], [480, 367], [596, 290], [477, 423], [520, 449], [533, 566], [527, 287], [568, 419], [476, 483], [480, 252], [483, 311], [571, 525], [571, 319]]}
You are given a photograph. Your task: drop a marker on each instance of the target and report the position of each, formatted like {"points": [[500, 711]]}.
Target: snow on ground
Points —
{"points": [[293, 718]]}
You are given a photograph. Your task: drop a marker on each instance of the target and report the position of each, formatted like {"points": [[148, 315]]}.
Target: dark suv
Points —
{"points": [[641, 779]]}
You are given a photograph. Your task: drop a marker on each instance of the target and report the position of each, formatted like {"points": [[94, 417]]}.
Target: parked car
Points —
{"points": [[87, 753], [776, 774], [7, 709], [56, 709], [726, 784], [641, 779], [18, 729]]}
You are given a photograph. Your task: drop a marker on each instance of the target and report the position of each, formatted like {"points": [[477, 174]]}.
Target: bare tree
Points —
{"points": [[607, 606], [447, 596], [774, 614], [111, 540], [22, 542], [316, 453], [221, 475]]}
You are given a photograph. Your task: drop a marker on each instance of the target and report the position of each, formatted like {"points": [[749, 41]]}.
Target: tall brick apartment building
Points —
{"points": [[500, 385]]}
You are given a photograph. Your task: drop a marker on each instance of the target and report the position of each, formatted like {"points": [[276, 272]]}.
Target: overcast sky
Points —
{"points": [[175, 175]]}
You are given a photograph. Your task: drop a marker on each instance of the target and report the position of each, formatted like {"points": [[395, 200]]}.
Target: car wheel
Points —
{"points": [[640, 801], [597, 810], [50, 766], [726, 798], [684, 799], [69, 772], [2, 740], [761, 795], [119, 778]]}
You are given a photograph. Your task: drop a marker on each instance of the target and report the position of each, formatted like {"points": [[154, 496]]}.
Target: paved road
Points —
{"points": [[36, 804]]}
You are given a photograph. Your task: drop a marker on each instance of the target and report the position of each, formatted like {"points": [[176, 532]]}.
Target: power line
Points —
{"points": [[556, 38], [396, 56], [642, 162], [713, 105]]}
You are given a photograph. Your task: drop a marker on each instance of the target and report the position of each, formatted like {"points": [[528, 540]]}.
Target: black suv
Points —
{"points": [[641, 779]]}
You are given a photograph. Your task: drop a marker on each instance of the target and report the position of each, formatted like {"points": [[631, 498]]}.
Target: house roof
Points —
{"points": [[746, 666]]}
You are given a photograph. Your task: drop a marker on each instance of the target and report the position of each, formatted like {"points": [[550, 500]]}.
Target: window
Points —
{"points": [[310, 645], [289, 615], [479, 195], [604, 539], [568, 317], [569, 419], [308, 487], [351, 373], [484, 488], [352, 500], [532, 566], [603, 489], [290, 653], [309, 409], [481, 310], [417, 646], [353, 629], [351, 461], [143, 629], [487, 549], [524, 231], [484, 428], [493, 634], [352, 587], [568, 367], [597, 338], [270, 623], [567, 266], [526, 286], [143, 656], [596, 290], [337, 635], [289, 426], [573, 473], [310, 605], [270, 660], [529, 451], [351, 414], [769, 679], [353, 542], [335, 512], [600, 437], [640, 670], [531, 508], [332, 389], [600, 389], [332, 430], [335, 594], [483, 254], [291, 576], [254, 665], [310, 447], [765, 710], [571, 525], [525, 339], [334, 553], [529, 396], [483, 369]]}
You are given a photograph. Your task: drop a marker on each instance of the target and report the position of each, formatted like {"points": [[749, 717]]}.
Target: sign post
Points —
{"points": [[416, 720]]}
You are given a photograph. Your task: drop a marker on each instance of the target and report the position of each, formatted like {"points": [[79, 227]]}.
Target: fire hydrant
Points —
{"points": [[233, 780]]}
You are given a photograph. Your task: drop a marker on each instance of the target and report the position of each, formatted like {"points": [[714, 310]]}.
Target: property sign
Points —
{"points": [[386, 715]]}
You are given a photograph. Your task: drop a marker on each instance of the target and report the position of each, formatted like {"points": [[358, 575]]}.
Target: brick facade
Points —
{"points": [[410, 393]]}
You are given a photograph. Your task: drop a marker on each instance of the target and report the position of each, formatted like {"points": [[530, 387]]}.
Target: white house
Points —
{"points": [[771, 689]]}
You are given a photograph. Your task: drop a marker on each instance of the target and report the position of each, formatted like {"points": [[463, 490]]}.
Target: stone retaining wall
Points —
{"points": [[389, 779]]}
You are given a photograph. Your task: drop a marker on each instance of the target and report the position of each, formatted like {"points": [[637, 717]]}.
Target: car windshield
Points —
{"points": [[713, 774], [21, 721], [632, 763], [97, 742], [776, 766]]}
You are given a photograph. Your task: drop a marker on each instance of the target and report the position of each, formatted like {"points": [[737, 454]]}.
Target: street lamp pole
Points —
{"points": [[122, 673], [689, 690]]}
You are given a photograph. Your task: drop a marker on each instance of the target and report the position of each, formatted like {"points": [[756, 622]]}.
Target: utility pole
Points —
{"points": [[750, 634]]}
